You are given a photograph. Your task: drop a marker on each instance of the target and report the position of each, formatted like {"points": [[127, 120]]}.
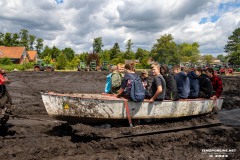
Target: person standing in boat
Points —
{"points": [[183, 84], [171, 85], [216, 83], [206, 88], [158, 86], [194, 84]]}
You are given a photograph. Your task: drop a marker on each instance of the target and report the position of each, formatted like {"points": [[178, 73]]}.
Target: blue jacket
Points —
{"points": [[183, 84], [194, 84]]}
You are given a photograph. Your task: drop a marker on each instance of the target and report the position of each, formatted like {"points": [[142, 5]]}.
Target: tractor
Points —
{"points": [[82, 67], [93, 66], [41, 65], [104, 66]]}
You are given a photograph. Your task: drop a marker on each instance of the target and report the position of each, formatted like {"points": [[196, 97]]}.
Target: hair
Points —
{"points": [[184, 69], [199, 69], [120, 65], [130, 66], [176, 67], [155, 65], [165, 68], [210, 70]]}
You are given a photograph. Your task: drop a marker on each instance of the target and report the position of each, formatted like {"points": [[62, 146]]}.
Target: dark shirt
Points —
{"points": [[183, 84], [206, 88], [217, 85], [171, 87], [158, 81], [194, 84], [126, 83]]}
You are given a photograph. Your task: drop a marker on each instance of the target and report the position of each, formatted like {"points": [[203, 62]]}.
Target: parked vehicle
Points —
{"points": [[41, 65], [82, 66]]}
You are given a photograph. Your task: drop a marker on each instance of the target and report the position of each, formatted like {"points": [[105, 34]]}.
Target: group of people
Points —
{"points": [[165, 84]]}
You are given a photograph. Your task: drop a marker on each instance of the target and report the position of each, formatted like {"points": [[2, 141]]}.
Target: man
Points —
{"points": [[216, 83], [158, 86], [206, 88], [182, 80]]}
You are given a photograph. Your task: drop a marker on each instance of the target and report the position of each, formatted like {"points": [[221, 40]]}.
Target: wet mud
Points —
{"points": [[36, 136]]}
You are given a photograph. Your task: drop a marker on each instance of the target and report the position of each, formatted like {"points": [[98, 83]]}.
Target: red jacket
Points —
{"points": [[217, 85]]}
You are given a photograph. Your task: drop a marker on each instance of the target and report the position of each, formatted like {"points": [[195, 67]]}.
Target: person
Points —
{"points": [[206, 88], [183, 84], [216, 83], [116, 80], [108, 81], [125, 87], [171, 85], [158, 85], [121, 69], [194, 84], [145, 79]]}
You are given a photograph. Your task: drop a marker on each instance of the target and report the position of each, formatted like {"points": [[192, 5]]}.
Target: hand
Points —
{"points": [[118, 96], [151, 100], [213, 97]]}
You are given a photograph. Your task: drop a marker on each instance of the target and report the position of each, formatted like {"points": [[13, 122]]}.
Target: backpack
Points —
{"points": [[137, 92], [108, 85]]}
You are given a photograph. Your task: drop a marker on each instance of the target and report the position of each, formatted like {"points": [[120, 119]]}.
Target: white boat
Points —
{"points": [[102, 107]]}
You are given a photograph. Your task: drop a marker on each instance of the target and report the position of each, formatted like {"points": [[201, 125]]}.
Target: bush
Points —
{"points": [[6, 61]]}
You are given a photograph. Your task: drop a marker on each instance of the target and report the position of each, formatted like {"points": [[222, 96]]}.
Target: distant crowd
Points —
{"points": [[164, 84]]}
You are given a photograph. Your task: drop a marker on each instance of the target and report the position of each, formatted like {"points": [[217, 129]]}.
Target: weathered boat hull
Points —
{"points": [[97, 107]]}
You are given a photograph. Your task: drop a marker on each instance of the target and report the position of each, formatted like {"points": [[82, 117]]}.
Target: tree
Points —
{"points": [[165, 50], [208, 58], [114, 51], [15, 39], [129, 54], [1, 39], [24, 38], [97, 45], [141, 54], [69, 53], [31, 41], [188, 52], [232, 48], [8, 39], [61, 61], [39, 45]]}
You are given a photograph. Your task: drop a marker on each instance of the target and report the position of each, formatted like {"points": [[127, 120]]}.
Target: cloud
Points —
{"points": [[75, 23]]}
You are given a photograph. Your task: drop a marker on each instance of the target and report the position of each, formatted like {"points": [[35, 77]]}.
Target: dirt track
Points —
{"points": [[45, 139]]}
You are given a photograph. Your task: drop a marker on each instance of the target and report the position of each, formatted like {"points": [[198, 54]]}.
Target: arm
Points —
{"points": [[120, 92], [219, 88], [159, 90]]}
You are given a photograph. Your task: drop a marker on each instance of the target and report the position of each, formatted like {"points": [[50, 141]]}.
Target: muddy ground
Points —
{"points": [[39, 137]]}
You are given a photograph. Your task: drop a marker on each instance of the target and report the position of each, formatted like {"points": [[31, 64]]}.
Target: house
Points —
{"points": [[18, 55], [33, 56], [128, 61]]}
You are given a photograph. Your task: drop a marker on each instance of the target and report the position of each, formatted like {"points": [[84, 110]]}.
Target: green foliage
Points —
{"points": [[47, 59], [69, 53], [5, 61], [114, 51], [188, 52], [73, 63], [233, 47], [208, 58], [97, 45], [61, 61], [20, 67], [129, 54]]}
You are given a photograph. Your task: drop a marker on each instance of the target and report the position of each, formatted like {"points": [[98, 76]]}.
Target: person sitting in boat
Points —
{"points": [[206, 88], [194, 84], [216, 83], [171, 85], [116, 80], [145, 79], [121, 69], [125, 87], [183, 84], [158, 85], [108, 81]]}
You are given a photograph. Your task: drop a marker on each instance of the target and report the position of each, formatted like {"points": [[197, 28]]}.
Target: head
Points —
{"points": [[184, 69], [176, 69], [113, 68], [164, 69], [210, 72], [130, 67], [120, 67], [155, 68], [198, 71], [144, 74]]}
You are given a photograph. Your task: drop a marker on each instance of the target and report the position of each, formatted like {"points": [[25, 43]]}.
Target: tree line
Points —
{"points": [[164, 50]]}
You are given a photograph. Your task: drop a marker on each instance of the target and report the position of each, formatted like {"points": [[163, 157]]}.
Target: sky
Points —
{"points": [[75, 23]]}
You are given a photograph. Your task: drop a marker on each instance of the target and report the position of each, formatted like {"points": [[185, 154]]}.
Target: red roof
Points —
{"points": [[32, 54], [11, 52]]}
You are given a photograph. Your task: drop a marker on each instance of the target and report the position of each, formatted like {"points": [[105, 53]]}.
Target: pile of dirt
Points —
{"points": [[43, 138]]}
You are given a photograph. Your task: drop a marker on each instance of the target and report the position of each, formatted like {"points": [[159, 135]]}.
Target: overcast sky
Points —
{"points": [[75, 23]]}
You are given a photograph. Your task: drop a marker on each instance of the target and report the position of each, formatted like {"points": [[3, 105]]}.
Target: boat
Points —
{"points": [[92, 108]]}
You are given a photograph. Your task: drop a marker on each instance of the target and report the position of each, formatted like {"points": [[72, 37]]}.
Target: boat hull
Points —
{"points": [[97, 107]]}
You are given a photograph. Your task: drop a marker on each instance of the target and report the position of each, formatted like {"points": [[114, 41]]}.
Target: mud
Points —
{"points": [[36, 136]]}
